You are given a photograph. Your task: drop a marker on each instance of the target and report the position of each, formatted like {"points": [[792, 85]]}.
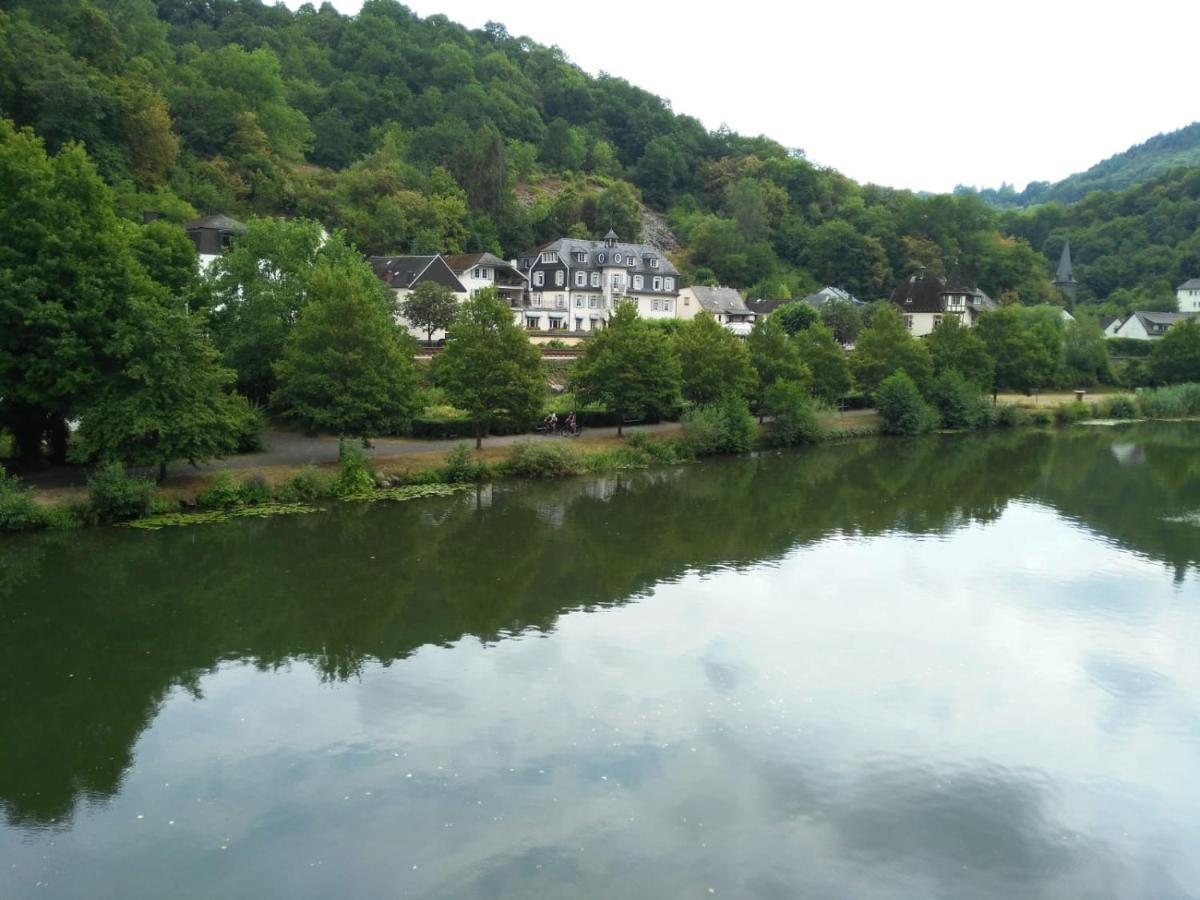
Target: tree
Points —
{"points": [[628, 367], [430, 306], [171, 399], [796, 316], [901, 407], [775, 358], [713, 361], [1085, 353], [347, 367], [67, 277], [1176, 357], [843, 319], [1022, 360], [952, 346], [827, 362], [490, 369], [793, 414], [884, 347]]}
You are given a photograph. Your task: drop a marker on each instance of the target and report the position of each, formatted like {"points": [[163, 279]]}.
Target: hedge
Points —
{"points": [[1129, 347], [444, 429]]}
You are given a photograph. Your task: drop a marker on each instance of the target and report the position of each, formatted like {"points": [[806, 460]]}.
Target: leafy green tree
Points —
{"points": [[775, 358], [826, 360], [952, 346], [796, 316], [843, 319], [168, 256], [628, 367], [793, 414], [901, 407], [959, 401], [1175, 357], [884, 347], [1023, 360], [490, 369], [347, 368], [430, 306], [713, 361], [171, 399], [67, 277], [1085, 353]]}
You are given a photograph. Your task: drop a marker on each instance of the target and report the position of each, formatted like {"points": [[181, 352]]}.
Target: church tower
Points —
{"points": [[1064, 278]]}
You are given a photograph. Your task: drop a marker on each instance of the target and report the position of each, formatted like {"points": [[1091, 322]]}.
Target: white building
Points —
{"points": [[212, 236], [575, 285], [925, 299], [1149, 326], [725, 304], [1188, 295], [403, 273]]}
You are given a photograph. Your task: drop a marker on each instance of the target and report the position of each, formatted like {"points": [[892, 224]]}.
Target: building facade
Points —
{"points": [[1188, 295], [575, 285], [924, 299], [212, 236], [403, 273], [1150, 326], [724, 304]]}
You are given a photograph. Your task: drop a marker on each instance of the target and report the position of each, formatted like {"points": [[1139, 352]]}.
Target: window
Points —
{"points": [[578, 323], [592, 302], [476, 273], [595, 279], [581, 278], [549, 257], [531, 322], [617, 281], [617, 258], [537, 299], [539, 278], [581, 257], [657, 283], [637, 282], [560, 301], [629, 261], [654, 262], [908, 321], [579, 301], [600, 258], [669, 283], [937, 321], [559, 278]]}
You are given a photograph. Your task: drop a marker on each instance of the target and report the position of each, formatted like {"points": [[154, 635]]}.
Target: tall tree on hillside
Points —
{"points": [[490, 369], [628, 367], [884, 347], [714, 362], [347, 367], [431, 306]]}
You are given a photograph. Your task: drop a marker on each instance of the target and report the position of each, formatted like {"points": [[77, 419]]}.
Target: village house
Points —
{"points": [[575, 285], [212, 235], [403, 273], [1188, 296], [1149, 326], [724, 303], [924, 299], [761, 308], [477, 271]]}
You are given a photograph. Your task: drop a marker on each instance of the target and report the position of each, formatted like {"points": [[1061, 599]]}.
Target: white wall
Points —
{"points": [[1132, 328], [1189, 300]]}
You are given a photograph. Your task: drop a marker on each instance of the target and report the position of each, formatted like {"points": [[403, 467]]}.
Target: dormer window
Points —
{"points": [[581, 257], [654, 262], [617, 258], [669, 284], [600, 258], [549, 257]]}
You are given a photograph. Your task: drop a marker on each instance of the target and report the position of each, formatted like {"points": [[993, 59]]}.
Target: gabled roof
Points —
{"points": [[1162, 318], [218, 222], [462, 262], [925, 292], [763, 307], [402, 272], [1192, 284], [1105, 321], [720, 300], [568, 248]]}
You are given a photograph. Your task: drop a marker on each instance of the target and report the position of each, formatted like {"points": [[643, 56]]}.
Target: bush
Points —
{"points": [[116, 496], [1066, 413], [1135, 373], [1009, 415], [1121, 406], [306, 486], [543, 459], [442, 428], [18, 510], [221, 493], [722, 427], [669, 450], [422, 476], [354, 475], [1171, 402], [1041, 417], [902, 409], [1128, 347], [64, 515], [959, 403], [255, 490], [793, 415], [460, 468]]}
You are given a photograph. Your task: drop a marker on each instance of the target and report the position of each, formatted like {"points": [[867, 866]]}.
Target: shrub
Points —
{"points": [[116, 496], [18, 510], [722, 427], [1066, 413], [461, 468], [1135, 373], [793, 415], [959, 403], [306, 486], [442, 428], [422, 476], [1009, 415], [669, 450], [1171, 402], [255, 490], [902, 409], [543, 459], [221, 493], [354, 474], [1121, 406], [64, 515], [1041, 417]]}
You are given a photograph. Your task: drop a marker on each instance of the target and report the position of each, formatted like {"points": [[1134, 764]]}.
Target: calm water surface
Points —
{"points": [[955, 667]]}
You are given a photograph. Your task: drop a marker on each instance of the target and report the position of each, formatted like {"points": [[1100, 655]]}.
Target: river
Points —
{"points": [[952, 667]]}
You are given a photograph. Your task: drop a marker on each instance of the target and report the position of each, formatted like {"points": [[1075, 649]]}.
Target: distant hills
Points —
{"points": [[1140, 163]]}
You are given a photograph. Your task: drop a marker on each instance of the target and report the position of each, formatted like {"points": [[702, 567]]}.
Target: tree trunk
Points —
{"points": [[478, 434], [620, 424], [60, 436], [162, 472]]}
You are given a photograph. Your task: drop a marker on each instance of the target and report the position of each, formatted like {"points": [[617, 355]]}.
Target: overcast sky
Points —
{"points": [[923, 95]]}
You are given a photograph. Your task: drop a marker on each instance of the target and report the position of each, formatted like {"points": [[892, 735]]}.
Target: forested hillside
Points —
{"points": [[1143, 162], [416, 135]]}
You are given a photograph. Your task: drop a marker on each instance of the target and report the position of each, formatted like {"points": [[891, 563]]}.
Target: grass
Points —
{"points": [[1051, 399]]}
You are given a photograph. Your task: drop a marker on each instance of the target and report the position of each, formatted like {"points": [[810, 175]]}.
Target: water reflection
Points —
{"points": [[875, 669]]}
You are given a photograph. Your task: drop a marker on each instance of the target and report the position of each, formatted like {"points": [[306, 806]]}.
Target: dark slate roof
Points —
{"points": [[1105, 321], [217, 222], [401, 272], [462, 262], [763, 307], [568, 248], [1192, 284], [829, 292], [1064, 275], [1166, 319], [925, 292], [720, 300]]}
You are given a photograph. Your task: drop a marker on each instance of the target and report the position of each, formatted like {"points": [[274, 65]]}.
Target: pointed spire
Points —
{"points": [[610, 239], [1065, 275]]}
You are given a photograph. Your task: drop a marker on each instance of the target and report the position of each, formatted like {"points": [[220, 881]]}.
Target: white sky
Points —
{"points": [[923, 95]]}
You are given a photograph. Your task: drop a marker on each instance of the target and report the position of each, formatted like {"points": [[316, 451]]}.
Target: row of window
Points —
{"points": [[658, 282]]}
